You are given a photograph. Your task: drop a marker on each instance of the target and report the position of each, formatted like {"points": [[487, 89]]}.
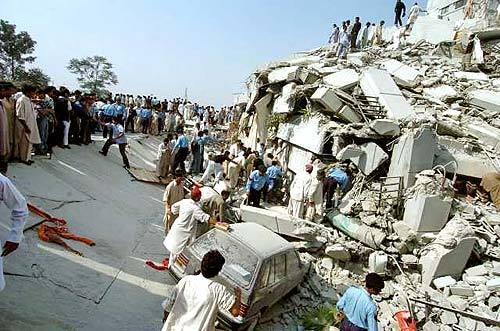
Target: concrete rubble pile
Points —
{"points": [[422, 126]]}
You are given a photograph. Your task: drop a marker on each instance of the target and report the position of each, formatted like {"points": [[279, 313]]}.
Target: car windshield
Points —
{"points": [[241, 263]]}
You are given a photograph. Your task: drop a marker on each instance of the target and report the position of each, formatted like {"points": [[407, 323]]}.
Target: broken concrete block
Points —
{"points": [[457, 302], [385, 127], [356, 58], [274, 221], [283, 74], [377, 262], [474, 280], [467, 75], [328, 99], [285, 103], [371, 158], [404, 231], [348, 114], [349, 152], [427, 213], [430, 326], [442, 92], [342, 79], [338, 252], [446, 261], [485, 133], [468, 164], [307, 76], [448, 318], [413, 153], [403, 74], [479, 270], [463, 290], [378, 83], [493, 284], [443, 282]]}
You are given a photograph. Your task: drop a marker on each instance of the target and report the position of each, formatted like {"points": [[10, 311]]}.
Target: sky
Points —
{"points": [[162, 47]]}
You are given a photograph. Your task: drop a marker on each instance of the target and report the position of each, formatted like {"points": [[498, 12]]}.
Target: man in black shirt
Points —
{"points": [[400, 9], [354, 33]]}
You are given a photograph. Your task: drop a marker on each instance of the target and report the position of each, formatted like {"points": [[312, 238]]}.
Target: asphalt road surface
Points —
{"points": [[107, 289]]}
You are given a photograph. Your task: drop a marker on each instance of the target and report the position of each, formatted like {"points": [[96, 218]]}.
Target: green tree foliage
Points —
{"points": [[94, 73], [15, 50], [33, 76]]}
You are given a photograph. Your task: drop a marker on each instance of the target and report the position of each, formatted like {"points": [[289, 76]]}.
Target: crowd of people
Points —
{"points": [[33, 121], [354, 36]]}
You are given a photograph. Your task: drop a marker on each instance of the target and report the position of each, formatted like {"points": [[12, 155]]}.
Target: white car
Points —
{"points": [[262, 264]]}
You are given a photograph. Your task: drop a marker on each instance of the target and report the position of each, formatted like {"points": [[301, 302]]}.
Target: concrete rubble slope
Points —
{"points": [[418, 124], [108, 288]]}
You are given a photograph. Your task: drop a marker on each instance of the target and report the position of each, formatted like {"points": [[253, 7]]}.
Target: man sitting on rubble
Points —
{"points": [[356, 308]]}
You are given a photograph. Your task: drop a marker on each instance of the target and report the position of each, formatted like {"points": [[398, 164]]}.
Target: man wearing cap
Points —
{"points": [[299, 191], [183, 231], [357, 309]]}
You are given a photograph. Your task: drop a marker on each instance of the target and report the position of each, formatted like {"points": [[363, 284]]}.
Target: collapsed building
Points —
{"points": [[422, 124]]}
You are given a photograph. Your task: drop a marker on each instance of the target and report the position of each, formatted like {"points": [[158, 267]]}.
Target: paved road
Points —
{"points": [[107, 289]]}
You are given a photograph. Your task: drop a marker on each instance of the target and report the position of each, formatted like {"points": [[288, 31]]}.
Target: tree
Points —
{"points": [[94, 73], [14, 49], [34, 76]]}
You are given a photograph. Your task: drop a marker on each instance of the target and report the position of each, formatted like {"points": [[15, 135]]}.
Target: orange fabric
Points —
{"points": [[55, 233]]}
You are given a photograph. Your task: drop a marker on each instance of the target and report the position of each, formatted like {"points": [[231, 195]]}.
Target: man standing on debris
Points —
{"points": [[357, 308], [181, 151], [299, 191], [256, 185], [343, 43], [365, 35], [197, 299], [118, 137], [334, 36], [354, 33], [164, 155], [19, 213], [378, 34], [183, 231], [412, 17], [315, 198], [174, 192], [400, 11]]}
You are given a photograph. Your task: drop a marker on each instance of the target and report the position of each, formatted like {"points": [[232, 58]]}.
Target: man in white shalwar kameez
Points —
{"points": [[183, 231], [298, 192], [27, 127], [196, 300], [19, 212], [315, 198]]}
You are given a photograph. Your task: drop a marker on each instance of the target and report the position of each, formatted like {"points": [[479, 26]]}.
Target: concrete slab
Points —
{"points": [[356, 58], [328, 99], [426, 213], [285, 102], [485, 133], [471, 165], [273, 220], [385, 127], [403, 74], [441, 92], [447, 262], [443, 282], [432, 30], [413, 153], [343, 79], [487, 99], [370, 157], [466, 75], [349, 115], [378, 83], [283, 74]]}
